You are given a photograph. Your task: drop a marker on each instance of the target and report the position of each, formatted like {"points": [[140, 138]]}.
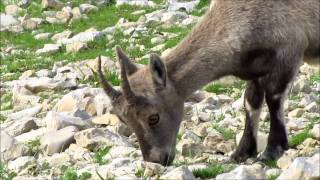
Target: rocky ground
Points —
{"points": [[55, 120]]}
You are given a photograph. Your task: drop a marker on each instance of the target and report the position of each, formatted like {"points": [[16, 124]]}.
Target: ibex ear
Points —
{"points": [[125, 61], [158, 70]]}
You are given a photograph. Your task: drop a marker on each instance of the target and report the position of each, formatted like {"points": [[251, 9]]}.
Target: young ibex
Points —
{"points": [[261, 41]]}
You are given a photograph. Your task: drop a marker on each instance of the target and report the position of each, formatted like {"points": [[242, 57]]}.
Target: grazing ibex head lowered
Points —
{"points": [[263, 42], [149, 105]]}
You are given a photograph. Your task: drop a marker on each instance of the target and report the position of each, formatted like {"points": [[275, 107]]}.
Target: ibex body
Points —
{"points": [[263, 42]]}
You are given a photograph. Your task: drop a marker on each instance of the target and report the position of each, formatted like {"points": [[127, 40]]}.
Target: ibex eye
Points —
{"points": [[153, 119]]}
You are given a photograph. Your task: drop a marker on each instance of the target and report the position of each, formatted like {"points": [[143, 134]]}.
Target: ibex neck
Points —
{"points": [[199, 59]]}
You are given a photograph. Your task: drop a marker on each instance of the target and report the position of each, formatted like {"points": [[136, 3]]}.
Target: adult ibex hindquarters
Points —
{"points": [[263, 42]]}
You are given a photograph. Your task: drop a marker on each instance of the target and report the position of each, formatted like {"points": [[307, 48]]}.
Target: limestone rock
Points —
{"points": [[82, 37], [303, 168], [62, 139], [86, 8], [21, 126], [174, 5], [32, 135], [51, 4], [58, 120], [10, 148], [12, 9], [43, 36], [95, 138], [244, 172], [296, 113], [8, 20], [63, 35], [29, 24], [22, 163], [30, 112], [49, 49], [76, 47], [179, 173], [316, 131]]}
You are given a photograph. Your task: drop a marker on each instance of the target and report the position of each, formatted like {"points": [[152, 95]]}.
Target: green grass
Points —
{"points": [[106, 16], [226, 133], [6, 102], [271, 163], [315, 78], [5, 173], [71, 174], [24, 40], [217, 88], [33, 147], [212, 171], [298, 138], [99, 154], [197, 11], [181, 31], [273, 177]]}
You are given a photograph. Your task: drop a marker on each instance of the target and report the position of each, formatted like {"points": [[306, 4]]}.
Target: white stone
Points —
{"points": [[43, 36], [21, 163], [296, 113], [21, 126], [118, 151], [85, 8], [315, 131], [57, 141], [76, 47], [81, 37], [10, 148], [174, 5], [12, 9], [58, 120], [49, 49], [63, 35], [32, 135], [244, 172], [30, 112], [97, 138], [179, 173], [303, 168], [8, 20]]}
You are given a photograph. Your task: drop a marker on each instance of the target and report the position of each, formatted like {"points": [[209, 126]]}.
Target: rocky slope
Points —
{"points": [[55, 120]]}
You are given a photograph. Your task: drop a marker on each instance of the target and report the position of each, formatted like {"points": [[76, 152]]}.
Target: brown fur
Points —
{"points": [[250, 39]]}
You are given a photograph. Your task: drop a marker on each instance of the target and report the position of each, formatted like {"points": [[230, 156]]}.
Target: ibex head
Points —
{"points": [[149, 105]]}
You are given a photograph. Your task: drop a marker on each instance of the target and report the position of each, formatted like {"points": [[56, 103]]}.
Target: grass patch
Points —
{"points": [[6, 102], [34, 147], [182, 32], [217, 88], [271, 163], [71, 174], [23, 40], [212, 171], [99, 154], [209, 172], [226, 133], [106, 16], [198, 9], [5, 173], [315, 78], [273, 177], [298, 138]]}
